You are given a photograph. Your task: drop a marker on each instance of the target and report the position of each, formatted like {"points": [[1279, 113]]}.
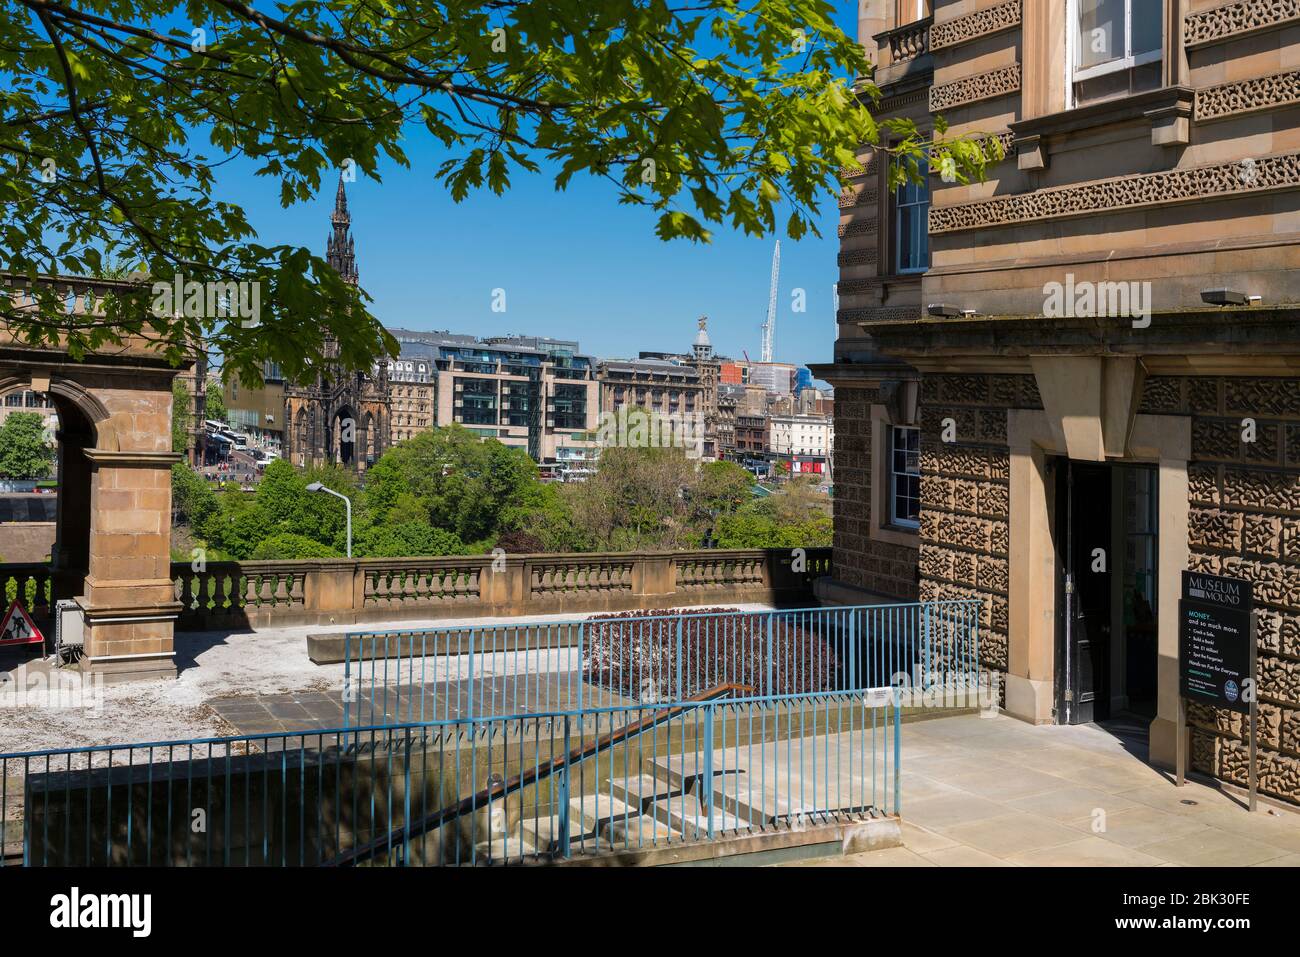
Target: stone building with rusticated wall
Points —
{"points": [[1060, 387]]}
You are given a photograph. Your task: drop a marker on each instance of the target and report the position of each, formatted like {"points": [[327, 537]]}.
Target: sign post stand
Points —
{"points": [[1180, 742], [1254, 710], [1217, 639]]}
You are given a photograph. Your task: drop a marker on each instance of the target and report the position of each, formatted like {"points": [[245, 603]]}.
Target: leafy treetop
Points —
{"points": [[116, 117]]}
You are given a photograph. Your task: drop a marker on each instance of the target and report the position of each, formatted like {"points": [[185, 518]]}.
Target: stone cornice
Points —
{"points": [[1237, 19], [973, 26], [1247, 96], [1219, 180], [858, 374], [972, 89], [111, 457], [1122, 110]]}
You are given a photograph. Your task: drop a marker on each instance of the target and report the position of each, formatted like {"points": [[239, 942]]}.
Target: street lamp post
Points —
{"points": [[317, 487]]}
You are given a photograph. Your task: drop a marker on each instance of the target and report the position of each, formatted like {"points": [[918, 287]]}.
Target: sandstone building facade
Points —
{"points": [[1095, 350]]}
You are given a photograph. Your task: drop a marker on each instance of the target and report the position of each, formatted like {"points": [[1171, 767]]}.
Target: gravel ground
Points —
{"points": [[213, 665]]}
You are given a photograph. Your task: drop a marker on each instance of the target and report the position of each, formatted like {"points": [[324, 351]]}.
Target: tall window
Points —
{"points": [[909, 11], [911, 214], [904, 476], [1117, 47]]}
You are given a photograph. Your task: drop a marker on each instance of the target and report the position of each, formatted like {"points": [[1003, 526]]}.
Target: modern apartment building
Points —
{"points": [[1094, 352], [533, 393]]}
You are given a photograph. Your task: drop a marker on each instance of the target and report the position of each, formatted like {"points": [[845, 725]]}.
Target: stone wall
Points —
{"points": [[861, 561], [1245, 523], [26, 541], [965, 496]]}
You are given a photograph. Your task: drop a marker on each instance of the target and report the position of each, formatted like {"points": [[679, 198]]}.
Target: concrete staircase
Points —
{"points": [[665, 807]]}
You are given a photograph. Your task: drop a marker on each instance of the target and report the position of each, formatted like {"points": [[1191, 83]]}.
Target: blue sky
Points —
{"points": [[573, 264]]}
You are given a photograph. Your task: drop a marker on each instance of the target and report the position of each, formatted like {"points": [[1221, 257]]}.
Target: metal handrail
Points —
{"points": [[400, 837]]}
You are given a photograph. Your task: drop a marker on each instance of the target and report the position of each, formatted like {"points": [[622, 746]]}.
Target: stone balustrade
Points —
{"points": [[905, 43], [261, 594]]}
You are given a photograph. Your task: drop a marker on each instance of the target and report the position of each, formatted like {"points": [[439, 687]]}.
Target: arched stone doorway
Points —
{"points": [[112, 548], [343, 437]]}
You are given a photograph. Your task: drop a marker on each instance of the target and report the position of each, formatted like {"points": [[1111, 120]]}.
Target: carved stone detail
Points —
{"points": [[1248, 96], [972, 89], [1203, 484], [1256, 489], [1162, 394], [890, 314], [1264, 396], [981, 23], [859, 227], [1123, 192], [861, 197], [865, 256], [1211, 528], [959, 460], [1243, 16]]}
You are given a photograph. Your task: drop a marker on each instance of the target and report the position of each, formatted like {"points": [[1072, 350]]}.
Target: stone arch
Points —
{"points": [[342, 431]]}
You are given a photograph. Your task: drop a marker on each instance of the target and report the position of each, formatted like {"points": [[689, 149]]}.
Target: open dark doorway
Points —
{"points": [[1105, 534]]}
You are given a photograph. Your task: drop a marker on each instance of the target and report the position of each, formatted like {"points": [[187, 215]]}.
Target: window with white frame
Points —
{"points": [[1116, 48], [911, 223], [904, 476], [909, 11]]}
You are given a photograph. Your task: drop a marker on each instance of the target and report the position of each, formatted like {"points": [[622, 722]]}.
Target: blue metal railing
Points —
{"points": [[690, 771], [480, 670]]}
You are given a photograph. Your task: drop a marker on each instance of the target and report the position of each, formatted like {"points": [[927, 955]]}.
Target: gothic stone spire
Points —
{"points": [[340, 251]]}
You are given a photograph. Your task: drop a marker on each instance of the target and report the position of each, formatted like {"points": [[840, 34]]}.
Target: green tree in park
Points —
{"points": [[116, 118], [638, 499], [449, 479], [25, 453], [182, 416], [193, 499], [216, 403]]}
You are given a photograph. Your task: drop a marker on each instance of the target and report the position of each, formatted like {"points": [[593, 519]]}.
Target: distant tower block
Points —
{"points": [[703, 346]]}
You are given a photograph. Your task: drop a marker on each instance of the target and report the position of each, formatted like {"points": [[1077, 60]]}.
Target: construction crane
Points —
{"points": [[769, 327]]}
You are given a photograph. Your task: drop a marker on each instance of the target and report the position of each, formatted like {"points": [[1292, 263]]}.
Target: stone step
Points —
{"points": [[503, 849], [639, 832], [640, 791], [597, 810], [684, 770], [544, 832]]}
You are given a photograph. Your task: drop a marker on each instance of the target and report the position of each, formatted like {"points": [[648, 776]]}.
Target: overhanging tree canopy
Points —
{"points": [[115, 116]]}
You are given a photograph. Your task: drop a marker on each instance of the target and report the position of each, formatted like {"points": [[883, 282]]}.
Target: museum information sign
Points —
{"points": [[1215, 639]]}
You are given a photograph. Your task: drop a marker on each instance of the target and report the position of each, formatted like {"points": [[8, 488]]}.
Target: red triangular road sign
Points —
{"points": [[17, 628]]}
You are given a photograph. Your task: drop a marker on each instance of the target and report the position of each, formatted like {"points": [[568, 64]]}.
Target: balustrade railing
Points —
{"points": [[350, 591]]}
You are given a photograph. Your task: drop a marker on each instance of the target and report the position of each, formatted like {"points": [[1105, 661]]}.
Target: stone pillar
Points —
{"points": [[654, 574], [1030, 692], [130, 601], [333, 591]]}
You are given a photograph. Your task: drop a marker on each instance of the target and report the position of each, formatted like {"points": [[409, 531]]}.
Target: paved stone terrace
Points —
{"points": [[995, 792], [432, 701], [251, 681]]}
